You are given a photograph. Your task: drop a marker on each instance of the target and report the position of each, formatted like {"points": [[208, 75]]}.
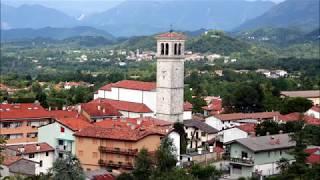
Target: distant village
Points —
{"points": [[107, 133]]}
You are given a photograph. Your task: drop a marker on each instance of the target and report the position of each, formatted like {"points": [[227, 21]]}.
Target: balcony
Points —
{"points": [[63, 148], [241, 161], [111, 164], [130, 152]]}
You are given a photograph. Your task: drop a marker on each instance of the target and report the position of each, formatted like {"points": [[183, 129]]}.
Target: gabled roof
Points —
{"points": [[124, 134], [214, 105], [314, 155], [200, 125], [23, 111], [100, 108], [31, 148], [8, 160], [124, 105], [131, 84], [266, 143], [63, 113], [187, 106], [171, 36], [73, 123], [247, 127]]}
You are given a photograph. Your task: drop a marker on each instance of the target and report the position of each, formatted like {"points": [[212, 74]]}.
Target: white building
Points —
{"points": [[231, 134], [314, 112], [42, 153], [199, 133]]}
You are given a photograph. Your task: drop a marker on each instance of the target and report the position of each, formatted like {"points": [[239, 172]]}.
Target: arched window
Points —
{"points": [[167, 49], [162, 49], [175, 48], [179, 49]]}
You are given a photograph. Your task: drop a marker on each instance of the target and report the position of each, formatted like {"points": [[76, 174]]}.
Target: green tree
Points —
{"points": [[283, 165], [2, 144], [205, 172], [166, 160], [271, 127], [125, 176], [297, 104], [68, 167], [173, 174], [143, 165]]}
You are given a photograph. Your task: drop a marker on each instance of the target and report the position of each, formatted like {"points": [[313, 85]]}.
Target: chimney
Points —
{"points": [[49, 109], [37, 102], [103, 110], [280, 132], [99, 107], [38, 147], [139, 120], [79, 108], [64, 108], [268, 133], [211, 149], [199, 150]]}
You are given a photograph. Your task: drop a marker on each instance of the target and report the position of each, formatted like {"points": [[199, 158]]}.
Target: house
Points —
{"points": [[187, 107], [115, 143], [314, 112], [281, 73], [15, 165], [59, 134], [312, 95], [136, 95], [198, 133], [224, 121], [41, 153], [202, 155], [19, 123], [230, 134], [258, 155], [313, 156], [214, 106], [295, 116], [69, 85]]}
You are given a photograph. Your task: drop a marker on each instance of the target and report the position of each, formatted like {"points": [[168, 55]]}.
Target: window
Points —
{"points": [[280, 152], [203, 134], [88, 169], [60, 155], [167, 49], [179, 49], [127, 158], [47, 153], [162, 49], [41, 163], [62, 129], [94, 141], [61, 142], [268, 154], [94, 155], [244, 154], [31, 155], [175, 49]]}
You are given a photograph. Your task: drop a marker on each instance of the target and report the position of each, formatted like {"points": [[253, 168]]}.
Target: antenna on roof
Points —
{"points": [[171, 29]]}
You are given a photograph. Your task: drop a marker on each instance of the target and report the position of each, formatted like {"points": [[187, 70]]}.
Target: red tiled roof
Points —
{"points": [[31, 148], [295, 116], [314, 155], [125, 105], [104, 177], [240, 116], [171, 35], [107, 87], [215, 105], [8, 160], [131, 84], [116, 133], [311, 120], [75, 124], [247, 127], [316, 108], [187, 106], [145, 122], [23, 111], [63, 114], [100, 108]]}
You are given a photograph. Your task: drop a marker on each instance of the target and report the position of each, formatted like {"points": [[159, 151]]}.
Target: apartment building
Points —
{"points": [[19, 122]]}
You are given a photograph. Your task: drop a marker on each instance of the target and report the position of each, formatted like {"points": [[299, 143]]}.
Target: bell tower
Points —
{"points": [[170, 76]]}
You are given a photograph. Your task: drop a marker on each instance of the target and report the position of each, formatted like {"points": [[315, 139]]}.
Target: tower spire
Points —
{"points": [[171, 29]]}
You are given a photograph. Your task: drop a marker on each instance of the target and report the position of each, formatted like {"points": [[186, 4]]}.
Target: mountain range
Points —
{"points": [[130, 18], [300, 14]]}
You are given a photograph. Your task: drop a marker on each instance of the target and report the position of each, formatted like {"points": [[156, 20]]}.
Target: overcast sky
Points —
{"points": [[78, 7]]}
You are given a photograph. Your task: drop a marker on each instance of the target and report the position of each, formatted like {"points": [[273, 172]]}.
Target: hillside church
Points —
{"points": [[163, 99]]}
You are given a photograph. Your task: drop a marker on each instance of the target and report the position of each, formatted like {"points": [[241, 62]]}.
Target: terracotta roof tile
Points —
{"points": [[215, 105], [171, 35], [125, 105], [247, 127], [31, 148], [306, 94], [187, 106], [116, 133], [131, 84], [74, 124], [23, 111], [63, 114], [314, 155], [8, 160], [100, 108]]}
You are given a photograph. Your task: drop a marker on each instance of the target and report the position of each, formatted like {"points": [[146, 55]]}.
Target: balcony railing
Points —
{"points": [[63, 148], [245, 161], [131, 152], [112, 164]]}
